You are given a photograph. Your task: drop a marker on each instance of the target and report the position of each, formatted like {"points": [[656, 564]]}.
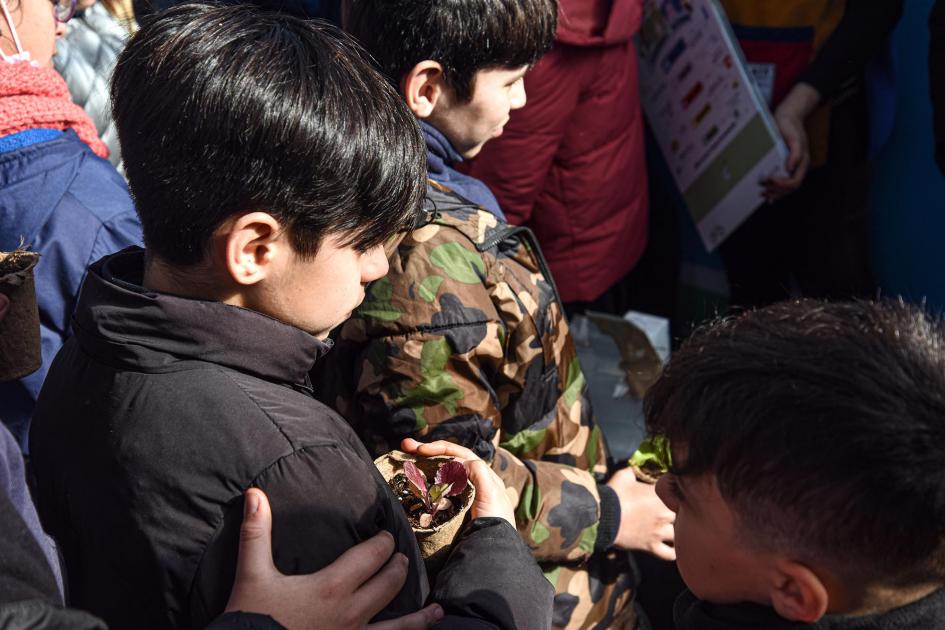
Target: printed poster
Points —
{"points": [[710, 120]]}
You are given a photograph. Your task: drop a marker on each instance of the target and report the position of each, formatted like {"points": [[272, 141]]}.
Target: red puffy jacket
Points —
{"points": [[570, 164]]}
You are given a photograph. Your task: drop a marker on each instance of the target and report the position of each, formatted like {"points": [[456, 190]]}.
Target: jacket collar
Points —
{"points": [[121, 322], [692, 614], [440, 151]]}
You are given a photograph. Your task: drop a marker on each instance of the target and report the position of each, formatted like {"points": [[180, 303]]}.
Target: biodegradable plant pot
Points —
{"points": [[20, 349], [435, 542], [646, 475]]}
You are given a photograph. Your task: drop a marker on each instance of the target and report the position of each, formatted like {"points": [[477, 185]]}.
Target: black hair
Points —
{"points": [[224, 110], [464, 36], [824, 425]]}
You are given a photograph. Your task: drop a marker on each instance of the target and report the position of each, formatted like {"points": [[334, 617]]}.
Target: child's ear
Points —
{"points": [[797, 593], [423, 87], [251, 243]]}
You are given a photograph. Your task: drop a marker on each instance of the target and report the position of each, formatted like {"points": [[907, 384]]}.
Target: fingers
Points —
{"points": [[491, 498], [794, 154], [420, 620], [378, 591], [255, 550], [664, 552], [482, 477], [436, 449], [667, 534], [355, 567]]}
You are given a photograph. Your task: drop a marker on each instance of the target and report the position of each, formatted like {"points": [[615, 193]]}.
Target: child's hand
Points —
{"points": [[646, 524], [345, 594], [491, 497], [790, 117]]}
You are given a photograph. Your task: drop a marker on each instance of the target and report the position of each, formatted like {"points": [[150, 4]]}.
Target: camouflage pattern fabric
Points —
{"points": [[465, 339], [597, 594]]}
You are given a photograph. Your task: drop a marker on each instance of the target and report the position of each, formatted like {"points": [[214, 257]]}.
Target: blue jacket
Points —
{"points": [[63, 201], [440, 156]]}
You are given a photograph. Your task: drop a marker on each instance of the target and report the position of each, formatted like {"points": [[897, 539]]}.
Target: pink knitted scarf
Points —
{"points": [[38, 98]]}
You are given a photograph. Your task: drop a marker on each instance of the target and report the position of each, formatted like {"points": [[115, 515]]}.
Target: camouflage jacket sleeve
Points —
{"points": [[456, 344], [562, 513], [558, 506]]}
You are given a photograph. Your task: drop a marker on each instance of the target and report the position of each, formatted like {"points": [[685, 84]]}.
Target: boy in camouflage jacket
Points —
{"points": [[466, 340]]}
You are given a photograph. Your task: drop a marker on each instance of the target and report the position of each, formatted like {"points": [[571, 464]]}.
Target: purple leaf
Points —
{"points": [[416, 478], [443, 504], [452, 472]]}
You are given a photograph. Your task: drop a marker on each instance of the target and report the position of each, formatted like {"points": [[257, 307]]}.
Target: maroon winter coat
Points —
{"points": [[570, 164]]}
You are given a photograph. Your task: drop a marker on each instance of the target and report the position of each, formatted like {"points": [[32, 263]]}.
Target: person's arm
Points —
{"points": [[490, 580], [629, 516], [348, 593], [563, 514], [457, 371], [864, 27], [438, 395]]}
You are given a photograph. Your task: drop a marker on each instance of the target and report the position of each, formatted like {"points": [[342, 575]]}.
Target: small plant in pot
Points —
{"points": [[19, 331], [433, 505], [652, 459], [436, 495]]}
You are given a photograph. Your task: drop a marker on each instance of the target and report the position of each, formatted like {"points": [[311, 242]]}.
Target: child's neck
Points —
{"points": [[201, 283], [879, 598]]}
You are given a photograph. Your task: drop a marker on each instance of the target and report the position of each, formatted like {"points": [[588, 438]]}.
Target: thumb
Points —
{"points": [[255, 554], [491, 499], [794, 154]]}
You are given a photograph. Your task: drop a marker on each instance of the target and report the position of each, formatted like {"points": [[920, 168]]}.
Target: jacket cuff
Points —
{"points": [[240, 620], [609, 522]]}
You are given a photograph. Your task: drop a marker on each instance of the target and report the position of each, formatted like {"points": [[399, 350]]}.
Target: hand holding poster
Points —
{"points": [[712, 125]]}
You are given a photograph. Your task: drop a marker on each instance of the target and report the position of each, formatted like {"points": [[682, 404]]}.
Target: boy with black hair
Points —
{"points": [[808, 468], [269, 162], [466, 339]]}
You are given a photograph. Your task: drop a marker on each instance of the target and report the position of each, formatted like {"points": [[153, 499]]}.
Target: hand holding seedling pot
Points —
{"points": [[19, 330], [436, 496]]}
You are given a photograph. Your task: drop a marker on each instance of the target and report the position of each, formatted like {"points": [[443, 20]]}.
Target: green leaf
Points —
{"points": [[429, 287], [438, 491], [459, 263], [653, 455]]}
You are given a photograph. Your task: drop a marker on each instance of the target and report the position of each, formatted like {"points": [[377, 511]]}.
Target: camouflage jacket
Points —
{"points": [[465, 339]]}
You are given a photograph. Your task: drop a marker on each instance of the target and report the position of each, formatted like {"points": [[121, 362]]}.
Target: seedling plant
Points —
{"points": [[430, 504]]}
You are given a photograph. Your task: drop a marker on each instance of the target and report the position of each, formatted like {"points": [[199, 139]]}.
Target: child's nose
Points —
{"points": [[374, 264], [518, 98]]}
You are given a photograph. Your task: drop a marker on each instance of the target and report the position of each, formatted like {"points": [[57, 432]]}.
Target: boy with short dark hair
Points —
{"points": [[808, 468], [269, 163], [466, 339]]}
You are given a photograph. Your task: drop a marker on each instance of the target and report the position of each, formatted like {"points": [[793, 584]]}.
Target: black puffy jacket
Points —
{"points": [[161, 411]]}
